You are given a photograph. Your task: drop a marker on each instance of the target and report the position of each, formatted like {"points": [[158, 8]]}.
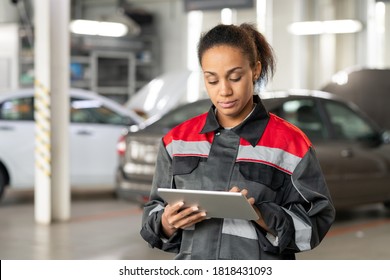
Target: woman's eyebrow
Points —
{"points": [[228, 72], [233, 70]]}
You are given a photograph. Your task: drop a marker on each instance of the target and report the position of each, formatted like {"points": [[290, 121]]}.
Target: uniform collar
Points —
{"points": [[250, 129]]}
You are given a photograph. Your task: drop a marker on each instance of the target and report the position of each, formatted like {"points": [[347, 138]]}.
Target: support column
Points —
{"points": [[52, 191]]}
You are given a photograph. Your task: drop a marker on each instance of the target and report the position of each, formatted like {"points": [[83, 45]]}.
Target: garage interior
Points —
{"points": [[162, 37]]}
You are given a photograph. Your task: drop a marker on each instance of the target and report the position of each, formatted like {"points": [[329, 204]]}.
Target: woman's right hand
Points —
{"points": [[175, 217]]}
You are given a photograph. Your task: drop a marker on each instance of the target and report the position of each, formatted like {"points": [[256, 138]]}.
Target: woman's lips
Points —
{"points": [[227, 104]]}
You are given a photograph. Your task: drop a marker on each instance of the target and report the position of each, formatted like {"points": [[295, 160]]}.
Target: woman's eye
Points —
{"points": [[235, 79], [212, 82]]}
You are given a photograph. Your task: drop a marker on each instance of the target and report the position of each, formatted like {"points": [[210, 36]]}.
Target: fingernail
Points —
{"points": [[195, 208]]}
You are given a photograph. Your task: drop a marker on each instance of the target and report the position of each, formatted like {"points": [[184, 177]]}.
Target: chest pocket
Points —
{"points": [[186, 172], [184, 165], [263, 174], [262, 181]]}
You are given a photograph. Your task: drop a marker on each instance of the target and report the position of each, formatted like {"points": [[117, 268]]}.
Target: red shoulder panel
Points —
{"points": [[283, 135], [189, 131]]}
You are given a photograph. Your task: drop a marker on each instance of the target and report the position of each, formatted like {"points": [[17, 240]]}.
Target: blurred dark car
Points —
{"points": [[353, 151], [368, 88]]}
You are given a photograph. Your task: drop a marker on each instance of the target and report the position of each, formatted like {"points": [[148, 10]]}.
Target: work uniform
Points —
{"points": [[269, 157]]}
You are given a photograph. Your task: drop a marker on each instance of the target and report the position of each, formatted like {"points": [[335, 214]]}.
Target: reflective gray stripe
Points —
{"points": [[302, 232], [241, 228], [156, 209], [272, 156], [188, 148], [274, 240]]}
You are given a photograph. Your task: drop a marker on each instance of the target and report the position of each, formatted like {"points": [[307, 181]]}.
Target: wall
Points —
{"points": [[8, 12], [289, 54], [8, 46], [171, 23], [8, 56], [310, 61]]}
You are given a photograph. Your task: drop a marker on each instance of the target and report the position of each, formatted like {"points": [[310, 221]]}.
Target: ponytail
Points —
{"points": [[264, 51]]}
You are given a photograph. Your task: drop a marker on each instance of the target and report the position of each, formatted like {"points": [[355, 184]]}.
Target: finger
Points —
{"points": [[191, 220], [186, 215], [251, 200], [235, 189], [170, 212], [175, 207], [244, 192], [175, 218], [188, 211]]}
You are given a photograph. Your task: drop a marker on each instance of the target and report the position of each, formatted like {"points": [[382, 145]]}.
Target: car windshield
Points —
{"points": [[182, 113], [347, 124], [304, 114], [94, 111]]}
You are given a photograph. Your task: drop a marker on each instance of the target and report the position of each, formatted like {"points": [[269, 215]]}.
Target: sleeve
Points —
{"points": [[151, 230], [304, 215]]}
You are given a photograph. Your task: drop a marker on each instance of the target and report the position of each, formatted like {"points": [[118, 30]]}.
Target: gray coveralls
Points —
{"points": [[266, 155]]}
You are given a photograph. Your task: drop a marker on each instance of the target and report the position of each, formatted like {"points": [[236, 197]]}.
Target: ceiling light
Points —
{"points": [[101, 28], [325, 27]]}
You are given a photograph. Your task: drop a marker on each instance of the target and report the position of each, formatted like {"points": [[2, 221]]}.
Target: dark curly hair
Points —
{"points": [[246, 38]]}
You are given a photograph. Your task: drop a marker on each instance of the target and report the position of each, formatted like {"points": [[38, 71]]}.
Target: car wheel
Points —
{"points": [[387, 204]]}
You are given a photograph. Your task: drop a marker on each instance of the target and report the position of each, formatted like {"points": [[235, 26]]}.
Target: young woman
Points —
{"points": [[238, 146]]}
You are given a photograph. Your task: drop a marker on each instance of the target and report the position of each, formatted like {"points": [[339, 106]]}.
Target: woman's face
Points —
{"points": [[229, 83]]}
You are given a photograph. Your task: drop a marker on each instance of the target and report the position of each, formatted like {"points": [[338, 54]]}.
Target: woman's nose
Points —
{"points": [[225, 88]]}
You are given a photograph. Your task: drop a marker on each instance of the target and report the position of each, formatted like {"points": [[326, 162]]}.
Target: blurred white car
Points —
{"points": [[166, 92], [95, 125]]}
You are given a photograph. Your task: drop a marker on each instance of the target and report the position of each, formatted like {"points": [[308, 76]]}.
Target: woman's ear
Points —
{"points": [[257, 70]]}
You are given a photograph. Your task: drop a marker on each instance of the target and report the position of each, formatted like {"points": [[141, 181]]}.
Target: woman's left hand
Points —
{"points": [[251, 200]]}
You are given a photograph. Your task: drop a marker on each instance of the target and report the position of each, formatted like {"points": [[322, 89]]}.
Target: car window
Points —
{"points": [[93, 111], [348, 124], [304, 114], [17, 109], [183, 113]]}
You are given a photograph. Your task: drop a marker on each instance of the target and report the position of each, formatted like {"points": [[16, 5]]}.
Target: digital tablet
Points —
{"points": [[216, 204]]}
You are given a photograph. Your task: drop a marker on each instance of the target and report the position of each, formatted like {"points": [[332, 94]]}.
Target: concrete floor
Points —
{"points": [[104, 228], [101, 227]]}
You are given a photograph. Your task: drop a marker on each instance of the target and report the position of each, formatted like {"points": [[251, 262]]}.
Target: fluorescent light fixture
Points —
{"points": [[325, 27], [101, 28]]}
